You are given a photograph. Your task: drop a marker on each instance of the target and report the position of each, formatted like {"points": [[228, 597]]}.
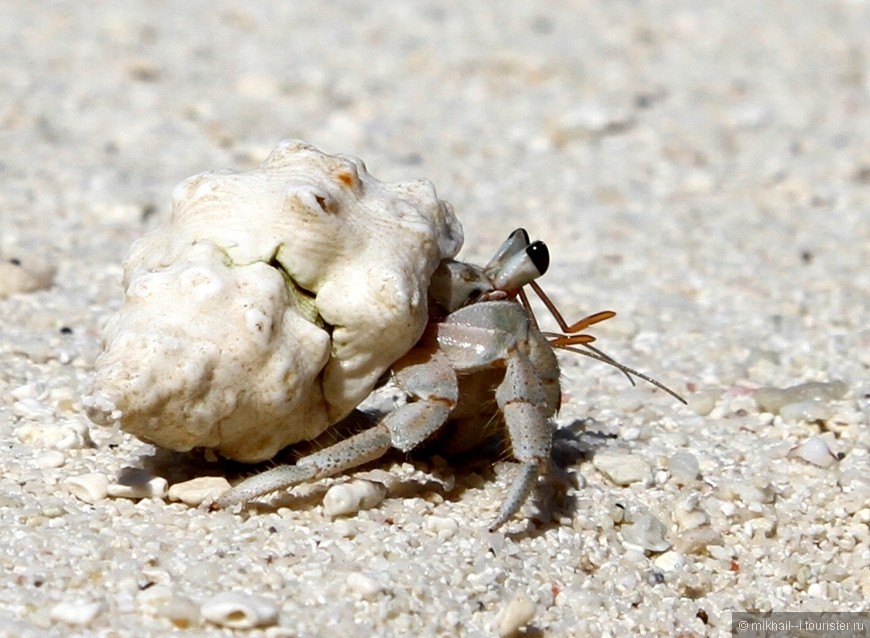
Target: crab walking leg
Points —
{"points": [[425, 375], [522, 401], [361, 448]]}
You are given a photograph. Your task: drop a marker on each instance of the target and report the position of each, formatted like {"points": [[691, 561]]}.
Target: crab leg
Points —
{"points": [[521, 399], [425, 375], [361, 448]]}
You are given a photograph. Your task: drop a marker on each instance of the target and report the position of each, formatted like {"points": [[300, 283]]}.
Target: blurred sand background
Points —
{"points": [[702, 169]]}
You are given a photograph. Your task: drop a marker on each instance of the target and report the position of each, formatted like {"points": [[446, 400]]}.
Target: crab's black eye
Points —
{"points": [[540, 255]]}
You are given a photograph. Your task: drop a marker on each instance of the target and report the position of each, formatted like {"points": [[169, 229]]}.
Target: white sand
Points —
{"points": [[704, 172]]}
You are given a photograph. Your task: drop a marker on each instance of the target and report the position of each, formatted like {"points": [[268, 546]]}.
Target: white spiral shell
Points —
{"points": [[271, 304]]}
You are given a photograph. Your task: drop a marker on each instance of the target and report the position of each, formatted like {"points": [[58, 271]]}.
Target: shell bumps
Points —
{"points": [[271, 304]]}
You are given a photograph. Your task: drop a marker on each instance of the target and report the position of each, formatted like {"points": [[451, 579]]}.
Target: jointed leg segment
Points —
{"points": [[425, 376], [522, 401]]}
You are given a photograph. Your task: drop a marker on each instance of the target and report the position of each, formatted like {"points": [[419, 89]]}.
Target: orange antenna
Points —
{"points": [[571, 336]]}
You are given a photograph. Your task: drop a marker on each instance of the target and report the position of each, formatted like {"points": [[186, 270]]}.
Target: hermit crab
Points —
{"points": [[276, 300], [482, 362]]}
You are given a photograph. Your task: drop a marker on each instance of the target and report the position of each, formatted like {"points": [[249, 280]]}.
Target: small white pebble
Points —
{"points": [[815, 450], [51, 507], [623, 468], [24, 269], [669, 561], [774, 399], [761, 527], [150, 487], [647, 532], [75, 435], [50, 459], [89, 488], [519, 612], [750, 494], [101, 409], [31, 409], [180, 611], [152, 600], [684, 468], [688, 515], [583, 602], [364, 586], [79, 612], [630, 434], [809, 411], [239, 611], [695, 541], [702, 403], [197, 491], [660, 477], [616, 513], [344, 499], [496, 541], [624, 582], [27, 391], [818, 590], [69, 435], [441, 526], [721, 552]]}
